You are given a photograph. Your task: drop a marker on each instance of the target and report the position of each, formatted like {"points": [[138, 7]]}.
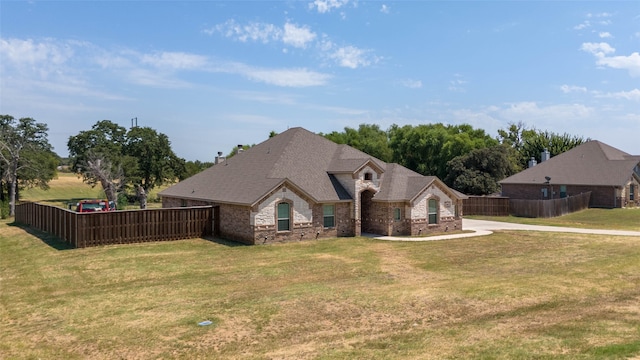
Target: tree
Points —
{"points": [[156, 162], [26, 157], [194, 167], [367, 138], [478, 172], [530, 143], [139, 159], [428, 148], [535, 144], [97, 155]]}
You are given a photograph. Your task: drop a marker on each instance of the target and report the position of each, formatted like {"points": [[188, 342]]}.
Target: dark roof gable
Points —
{"points": [[591, 163], [307, 160]]}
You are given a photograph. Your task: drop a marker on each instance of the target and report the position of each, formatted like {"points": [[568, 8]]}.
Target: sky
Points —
{"points": [[214, 74]]}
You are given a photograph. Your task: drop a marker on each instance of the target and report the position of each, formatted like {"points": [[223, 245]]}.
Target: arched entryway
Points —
{"points": [[367, 216]]}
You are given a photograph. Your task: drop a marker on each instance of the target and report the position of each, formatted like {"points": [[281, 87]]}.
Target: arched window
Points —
{"points": [[284, 220], [433, 211]]}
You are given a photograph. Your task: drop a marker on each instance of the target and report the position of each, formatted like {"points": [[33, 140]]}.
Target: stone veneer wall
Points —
{"points": [[636, 193]]}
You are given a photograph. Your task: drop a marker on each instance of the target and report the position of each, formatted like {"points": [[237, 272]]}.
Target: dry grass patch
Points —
{"points": [[508, 295]]}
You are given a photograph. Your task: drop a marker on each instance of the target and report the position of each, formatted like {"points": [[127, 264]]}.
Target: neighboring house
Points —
{"points": [[612, 176], [299, 185]]}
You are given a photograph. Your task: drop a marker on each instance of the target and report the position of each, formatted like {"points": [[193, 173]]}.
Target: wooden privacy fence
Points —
{"points": [[117, 227], [549, 208], [486, 205]]}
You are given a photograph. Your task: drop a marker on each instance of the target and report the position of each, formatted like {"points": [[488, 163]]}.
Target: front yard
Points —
{"points": [[508, 295]]}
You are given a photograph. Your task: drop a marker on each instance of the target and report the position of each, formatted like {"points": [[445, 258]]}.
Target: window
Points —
{"points": [[433, 211], [283, 217], [563, 191], [368, 176], [328, 214], [397, 214], [632, 191], [183, 202], [544, 192]]}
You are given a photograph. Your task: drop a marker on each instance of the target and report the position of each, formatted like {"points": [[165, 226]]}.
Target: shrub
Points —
{"points": [[4, 209]]}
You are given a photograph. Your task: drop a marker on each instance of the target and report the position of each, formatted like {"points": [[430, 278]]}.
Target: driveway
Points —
{"points": [[484, 227]]}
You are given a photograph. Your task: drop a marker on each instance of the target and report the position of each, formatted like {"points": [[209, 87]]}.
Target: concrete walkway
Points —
{"points": [[484, 227]]}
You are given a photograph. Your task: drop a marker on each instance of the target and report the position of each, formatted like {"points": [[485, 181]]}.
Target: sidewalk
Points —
{"points": [[484, 227]]}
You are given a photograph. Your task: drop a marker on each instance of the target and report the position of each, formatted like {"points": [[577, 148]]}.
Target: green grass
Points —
{"points": [[506, 296], [614, 219], [68, 188]]}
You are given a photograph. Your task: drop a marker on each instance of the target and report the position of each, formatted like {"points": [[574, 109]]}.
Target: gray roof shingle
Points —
{"points": [[305, 159], [591, 163]]}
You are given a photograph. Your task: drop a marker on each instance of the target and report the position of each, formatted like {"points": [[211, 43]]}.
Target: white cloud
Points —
{"points": [[280, 77], [633, 95], [175, 60], [324, 6], [572, 89], [384, 9], [412, 84], [26, 51], [598, 49], [351, 57], [582, 26], [254, 31], [601, 50], [605, 35], [630, 63], [297, 36], [457, 84], [532, 113]]}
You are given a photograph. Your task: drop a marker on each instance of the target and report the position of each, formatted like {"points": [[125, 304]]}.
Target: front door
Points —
{"points": [[367, 222]]}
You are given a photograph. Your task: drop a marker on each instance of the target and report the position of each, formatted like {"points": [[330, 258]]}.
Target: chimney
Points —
{"points": [[219, 158], [532, 162], [240, 149], [545, 155]]}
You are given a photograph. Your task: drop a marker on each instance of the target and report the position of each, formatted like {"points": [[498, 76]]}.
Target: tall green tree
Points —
{"points": [[97, 154], [479, 171], [26, 157], [139, 159], [428, 148], [555, 143], [194, 167], [156, 163], [530, 143], [368, 138]]}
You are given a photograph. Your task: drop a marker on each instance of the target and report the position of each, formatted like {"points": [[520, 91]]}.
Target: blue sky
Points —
{"points": [[214, 74]]}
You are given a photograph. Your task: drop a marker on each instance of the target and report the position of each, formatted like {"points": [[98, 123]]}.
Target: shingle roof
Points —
{"points": [[306, 160], [591, 163]]}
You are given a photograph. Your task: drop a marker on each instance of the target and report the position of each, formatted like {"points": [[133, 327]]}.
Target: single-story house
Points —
{"points": [[611, 175], [299, 185]]}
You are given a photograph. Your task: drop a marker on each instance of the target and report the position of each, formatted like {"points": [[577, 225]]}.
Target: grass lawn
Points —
{"points": [[509, 295], [68, 188], [505, 296], [614, 219]]}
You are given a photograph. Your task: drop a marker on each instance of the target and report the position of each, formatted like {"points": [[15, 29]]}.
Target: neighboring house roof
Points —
{"points": [[306, 161], [592, 163]]}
